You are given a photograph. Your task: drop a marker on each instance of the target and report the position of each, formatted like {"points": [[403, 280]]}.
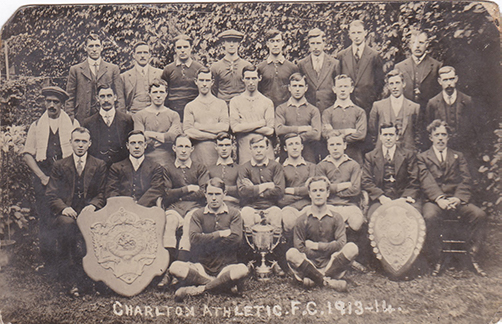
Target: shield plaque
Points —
{"points": [[397, 233], [124, 245]]}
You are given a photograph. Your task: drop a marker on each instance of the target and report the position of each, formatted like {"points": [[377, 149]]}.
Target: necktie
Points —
{"points": [[107, 120], [96, 69], [441, 160], [387, 156], [357, 55], [79, 167], [318, 65]]}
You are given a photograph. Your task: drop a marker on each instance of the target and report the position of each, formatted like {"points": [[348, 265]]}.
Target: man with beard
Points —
{"points": [[138, 79], [205, 117], [275, 70], [48, 141], [456, 109], [446, 183], [109, 128]]}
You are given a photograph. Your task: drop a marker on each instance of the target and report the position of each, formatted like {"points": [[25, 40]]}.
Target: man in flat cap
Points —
{"points": [[84, 79], [320, 70], [48, 140], [138, 79], [180, 76], [227, 72]]}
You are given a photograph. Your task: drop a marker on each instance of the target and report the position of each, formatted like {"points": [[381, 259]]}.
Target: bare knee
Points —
{"points": [[179, 269], [172, 221], [294, 257], [239, 271], [289, 216], [356, 221], [350, 251]]}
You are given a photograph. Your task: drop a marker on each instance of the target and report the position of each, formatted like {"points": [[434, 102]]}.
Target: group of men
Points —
{"points": [[200, 143]]}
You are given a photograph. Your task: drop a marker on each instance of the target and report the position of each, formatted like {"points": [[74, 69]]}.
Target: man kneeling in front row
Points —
{"points": [[321, 253], [215, 236]]}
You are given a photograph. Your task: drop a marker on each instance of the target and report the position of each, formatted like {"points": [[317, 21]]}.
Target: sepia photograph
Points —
{"points": [[251, 162]]}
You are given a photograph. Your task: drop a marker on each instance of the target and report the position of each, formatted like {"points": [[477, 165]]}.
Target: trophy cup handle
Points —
{"points": [[277, 238], [248, 234]]}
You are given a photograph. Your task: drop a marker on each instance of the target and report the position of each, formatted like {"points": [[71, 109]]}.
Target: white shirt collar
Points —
{"points": [[392, 150], [280, 58], [187, 164], [301, 102], [438, 155], [136, 162], [288, 161], [228, 161], [93, 62], [140, 68], [360, 47], [223, 209], [83, 159], [110, 113], [396, 103], [344, 158], [309, 211], [187, 63], [418, 60], [344, 104], [450, 99], [265, 162]]}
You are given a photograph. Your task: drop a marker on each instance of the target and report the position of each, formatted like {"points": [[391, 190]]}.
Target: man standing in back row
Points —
{"points": [[85, 78]]}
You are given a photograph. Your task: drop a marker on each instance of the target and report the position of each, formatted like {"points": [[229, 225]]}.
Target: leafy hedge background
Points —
{"points": [[44, 41]]}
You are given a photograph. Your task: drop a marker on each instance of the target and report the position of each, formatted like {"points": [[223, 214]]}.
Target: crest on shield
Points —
{"points": [[124, 245], [397, 232]]}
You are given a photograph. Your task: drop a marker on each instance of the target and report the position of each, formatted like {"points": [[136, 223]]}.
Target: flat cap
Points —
{"points": [[315, 32], [231, 33], [55, 91]]}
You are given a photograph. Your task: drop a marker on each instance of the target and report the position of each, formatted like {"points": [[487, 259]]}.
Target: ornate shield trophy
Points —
{"points": [[124, 244], [397, 233], [263, 238]]}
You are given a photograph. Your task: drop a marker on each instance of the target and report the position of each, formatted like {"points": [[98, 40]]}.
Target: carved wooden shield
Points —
{"points": [[124, 245], [397, 233]]}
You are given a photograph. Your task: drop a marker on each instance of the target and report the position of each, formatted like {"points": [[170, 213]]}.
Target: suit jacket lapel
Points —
{"points": [[349, 60], [90, 168], [379, 165], [325, 69], [406, 112], [386, 111], [363, 62], [103, 67], [398, 160], [428, 65], [432, 156], [86, 70], [311, 72]]}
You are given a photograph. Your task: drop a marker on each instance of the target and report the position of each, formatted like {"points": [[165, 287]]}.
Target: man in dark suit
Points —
{"points": [[77, 183], [363, 65], [136, 176], [138, 79], [420, 71], [456, 109], [320, 70], [84, 78], [446, 183], [109, 128], [396, 109], [390, 172]]}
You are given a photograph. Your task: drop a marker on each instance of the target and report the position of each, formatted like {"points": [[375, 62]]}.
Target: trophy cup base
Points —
{"points": [[263, 272]]}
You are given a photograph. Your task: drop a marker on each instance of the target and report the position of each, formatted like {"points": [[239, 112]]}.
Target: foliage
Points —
{"points": [[21, 101], [491, 172], [15, 184]]}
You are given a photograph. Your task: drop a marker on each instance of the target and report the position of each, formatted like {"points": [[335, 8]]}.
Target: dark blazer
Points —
{"points": [[320, 88], [152, 181], [464, 134], [405, 164], [455, 180], [95, 124], [428, 86], [368, 78], [129, 81], [61, 185], [409, 134], [81, 87]]}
